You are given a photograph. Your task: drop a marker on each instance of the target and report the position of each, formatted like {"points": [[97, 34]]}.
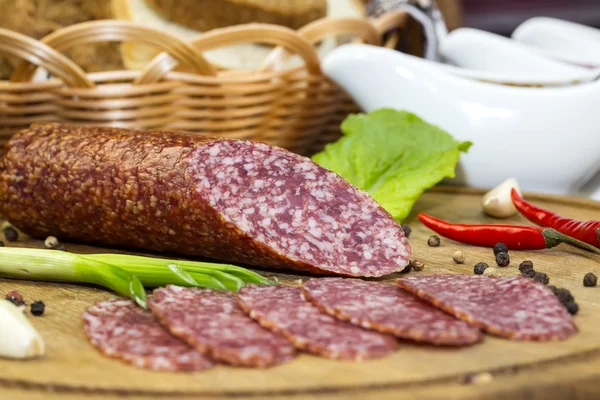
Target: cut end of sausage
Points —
{"points": [[298, 209]]}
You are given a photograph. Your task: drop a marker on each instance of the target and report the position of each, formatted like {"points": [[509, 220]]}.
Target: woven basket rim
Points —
{"points": [[300, 42]]}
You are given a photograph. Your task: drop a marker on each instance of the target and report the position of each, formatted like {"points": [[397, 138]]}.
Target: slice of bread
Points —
{"points": [[239, 56], [38, 18], [204, 15]]}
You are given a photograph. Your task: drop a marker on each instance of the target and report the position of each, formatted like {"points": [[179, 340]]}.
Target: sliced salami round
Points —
{"points": [[214, 324], [388, 309], [283, 309], [119, 328], [513, 307], [230, 200]]}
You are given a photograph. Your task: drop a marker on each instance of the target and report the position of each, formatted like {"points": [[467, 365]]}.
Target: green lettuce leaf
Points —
{"points": [[393, 155]]}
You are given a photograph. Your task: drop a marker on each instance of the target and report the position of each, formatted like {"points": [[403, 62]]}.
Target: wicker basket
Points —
{"points": [[296, 108]]}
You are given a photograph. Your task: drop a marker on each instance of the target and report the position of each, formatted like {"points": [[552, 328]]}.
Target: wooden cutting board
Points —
{"points": [[494, 369]]}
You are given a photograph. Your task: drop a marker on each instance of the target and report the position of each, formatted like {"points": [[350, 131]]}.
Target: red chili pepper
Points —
{"points": [[586, 231], [515, 237]]}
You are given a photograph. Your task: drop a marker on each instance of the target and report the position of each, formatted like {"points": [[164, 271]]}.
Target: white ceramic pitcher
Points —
{"points": [[546, 137]]}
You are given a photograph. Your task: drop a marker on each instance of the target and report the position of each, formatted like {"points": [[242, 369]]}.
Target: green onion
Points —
{"points": [[59, 266], [230, 276], [165, 274], [122, 273]]}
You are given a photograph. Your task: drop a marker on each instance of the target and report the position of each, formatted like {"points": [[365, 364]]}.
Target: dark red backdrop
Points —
{"points": [[503, 16]]}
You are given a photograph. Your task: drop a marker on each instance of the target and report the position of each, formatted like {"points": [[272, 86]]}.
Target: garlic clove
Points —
{"points": [[18, 338], [498, 203]]}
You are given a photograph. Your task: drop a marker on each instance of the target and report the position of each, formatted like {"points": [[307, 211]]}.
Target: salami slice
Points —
{"points": [[513, 307], [214, 324], [388, 309], [230, 200], [283, 309], [120, 329]]}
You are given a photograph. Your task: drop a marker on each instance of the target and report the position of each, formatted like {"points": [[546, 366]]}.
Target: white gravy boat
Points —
{"points": [[548, 137], [561, 40], [488, 56]]}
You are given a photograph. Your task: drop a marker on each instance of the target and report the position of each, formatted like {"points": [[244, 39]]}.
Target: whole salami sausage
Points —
{"points": [[231, 200], [121, 329]]}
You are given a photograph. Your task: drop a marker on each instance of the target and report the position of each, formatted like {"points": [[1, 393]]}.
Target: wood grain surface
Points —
{"points": [[72, 369]]}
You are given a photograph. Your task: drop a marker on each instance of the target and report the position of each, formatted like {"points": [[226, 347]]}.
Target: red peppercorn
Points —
{"points": [[14, 296]]}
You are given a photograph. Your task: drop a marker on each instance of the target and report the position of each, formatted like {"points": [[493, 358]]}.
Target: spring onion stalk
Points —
{"points": [[59, 266], [172, 274], [231, 276], [154, 274]]}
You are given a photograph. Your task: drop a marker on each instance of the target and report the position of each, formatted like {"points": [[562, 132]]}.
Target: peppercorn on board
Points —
{"points": [[496, 368]]}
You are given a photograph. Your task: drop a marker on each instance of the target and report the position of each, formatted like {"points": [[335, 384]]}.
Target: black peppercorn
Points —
{"points": [[1, 243], [572, 308], [525, 265], [528, 273], [434, 241], [541, 277], [480, 268], [564, 296], [500, 248], [11, 234], [590, 280], [37, 308], [502, 259], [406, 229]]}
